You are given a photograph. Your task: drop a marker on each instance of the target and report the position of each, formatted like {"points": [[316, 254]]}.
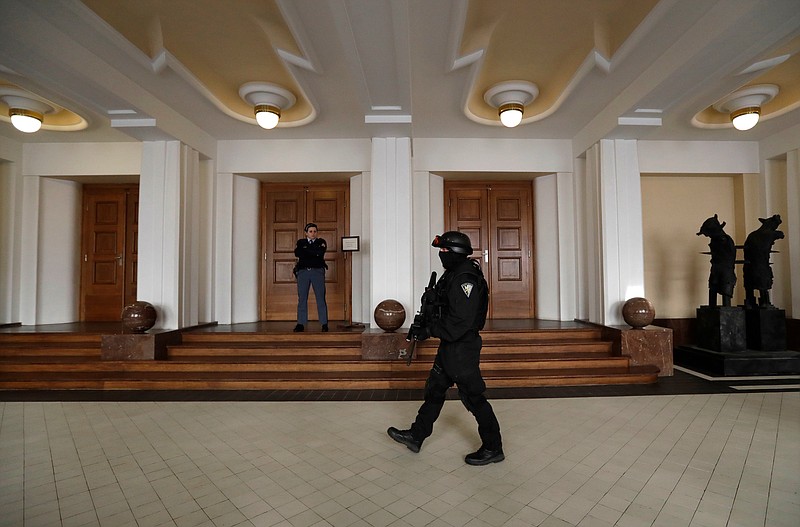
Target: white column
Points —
{"points": [[787, 276], [391, 251], [237, 257], [205, 288], [29, 247], [11, 199], [792, 230], [592, 238], [169, 229], [613, 229]]}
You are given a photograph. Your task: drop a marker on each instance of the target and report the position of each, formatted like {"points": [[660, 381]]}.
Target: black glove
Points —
{"points": [[420, 332]]}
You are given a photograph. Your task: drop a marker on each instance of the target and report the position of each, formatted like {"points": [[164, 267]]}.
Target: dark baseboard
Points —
{"points": [[683, 329]]}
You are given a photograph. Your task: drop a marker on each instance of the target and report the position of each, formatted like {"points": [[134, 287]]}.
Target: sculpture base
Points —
{"points": [[377, 344], [721, 328], [138, 346], [766, 329], [749, 362], [649, 346]]}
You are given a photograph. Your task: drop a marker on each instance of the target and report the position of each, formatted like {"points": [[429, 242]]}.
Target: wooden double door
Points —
{"points": [[498, 218], [287, 208], [109, 251]]}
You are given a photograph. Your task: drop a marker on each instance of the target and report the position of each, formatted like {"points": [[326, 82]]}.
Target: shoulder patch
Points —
{"points": [[467, 288]]}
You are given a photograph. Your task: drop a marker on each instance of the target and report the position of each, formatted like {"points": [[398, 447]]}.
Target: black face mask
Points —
{"points": [[451, 260]]}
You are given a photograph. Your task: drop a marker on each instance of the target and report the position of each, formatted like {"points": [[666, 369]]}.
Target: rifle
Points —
{"points": [[420, 319]]}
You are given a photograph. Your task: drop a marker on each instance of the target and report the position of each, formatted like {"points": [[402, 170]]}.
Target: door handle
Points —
{"points": [[486, 255], [119, 260]]}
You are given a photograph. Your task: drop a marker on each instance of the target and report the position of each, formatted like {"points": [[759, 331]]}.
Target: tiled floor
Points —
{"points": [[704, 460]]}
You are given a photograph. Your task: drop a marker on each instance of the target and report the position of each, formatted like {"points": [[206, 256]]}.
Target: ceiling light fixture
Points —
{"points": [[744, 105], [510, 99], [25, 111], [268, 101]]}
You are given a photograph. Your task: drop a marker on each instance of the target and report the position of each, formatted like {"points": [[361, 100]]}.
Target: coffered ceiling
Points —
{"points": [[152, 69]]}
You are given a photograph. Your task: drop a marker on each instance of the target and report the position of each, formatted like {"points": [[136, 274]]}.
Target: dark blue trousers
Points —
{"points": [[307, 278]]}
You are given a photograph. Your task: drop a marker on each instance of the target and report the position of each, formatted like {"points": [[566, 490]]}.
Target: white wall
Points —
{"points": [[545, 225], [82, 159], [59, 270], [676, 271], [698, 157], [246, 249], [492, 155], [302, 155]]}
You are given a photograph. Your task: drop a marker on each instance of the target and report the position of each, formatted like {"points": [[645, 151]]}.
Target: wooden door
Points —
{"points": [[287, 208], [498, 219], [109, 251]]}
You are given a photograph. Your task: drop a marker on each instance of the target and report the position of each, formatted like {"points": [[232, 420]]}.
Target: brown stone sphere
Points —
{"points": [[390, 315], [139, 316], [638, 312]]}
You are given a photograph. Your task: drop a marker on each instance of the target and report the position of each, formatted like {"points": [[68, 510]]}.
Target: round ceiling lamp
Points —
{"points": [[26, 112], [510, 99], [744, 105], [268, 101]]}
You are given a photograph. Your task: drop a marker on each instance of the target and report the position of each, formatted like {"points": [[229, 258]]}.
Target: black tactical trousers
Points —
{"points": [[470, 389]]}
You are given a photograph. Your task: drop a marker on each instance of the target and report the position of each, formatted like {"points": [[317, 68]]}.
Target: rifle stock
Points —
{"points": [[419, 320]]}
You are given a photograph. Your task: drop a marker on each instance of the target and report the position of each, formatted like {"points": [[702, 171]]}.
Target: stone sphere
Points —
{"points": [[390, 315], [138, 317], [638, 312]]}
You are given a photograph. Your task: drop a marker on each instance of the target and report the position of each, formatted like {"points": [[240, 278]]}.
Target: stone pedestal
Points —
{"points": [[649, 346], [138, 346], [377, 344], [766, 329], [721, 328]]}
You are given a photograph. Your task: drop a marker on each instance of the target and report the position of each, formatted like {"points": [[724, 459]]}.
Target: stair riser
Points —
{"points": [[389, 384]]}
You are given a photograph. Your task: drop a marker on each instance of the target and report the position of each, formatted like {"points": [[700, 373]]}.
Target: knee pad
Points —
{"points": [[470, 391], [437, 384]]}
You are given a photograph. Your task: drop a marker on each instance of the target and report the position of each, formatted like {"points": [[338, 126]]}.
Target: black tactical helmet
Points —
{"points": [[458, 242]]}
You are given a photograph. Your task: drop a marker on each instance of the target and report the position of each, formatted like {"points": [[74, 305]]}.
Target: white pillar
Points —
{"points": [[11, 200], [613, 177], [792, 230], [169, 248], [391, 251], [29, 247]]}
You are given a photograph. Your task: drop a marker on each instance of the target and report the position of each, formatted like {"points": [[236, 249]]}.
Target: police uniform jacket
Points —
{"points": [[311, 255]]}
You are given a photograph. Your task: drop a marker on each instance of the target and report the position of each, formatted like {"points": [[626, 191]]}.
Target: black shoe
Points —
{"points": [[299, 328], [324, 328], [405, 437], [485, 456]]}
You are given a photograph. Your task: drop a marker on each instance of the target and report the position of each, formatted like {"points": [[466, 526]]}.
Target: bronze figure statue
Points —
{"points": [[723, 259], [757, 269]]}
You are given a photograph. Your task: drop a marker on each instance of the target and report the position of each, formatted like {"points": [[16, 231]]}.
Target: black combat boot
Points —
{"points": [[405, 437], [484, 456]]}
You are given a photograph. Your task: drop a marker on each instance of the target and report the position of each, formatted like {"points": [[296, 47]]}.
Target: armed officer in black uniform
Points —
{"points": [[462, 298]]}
